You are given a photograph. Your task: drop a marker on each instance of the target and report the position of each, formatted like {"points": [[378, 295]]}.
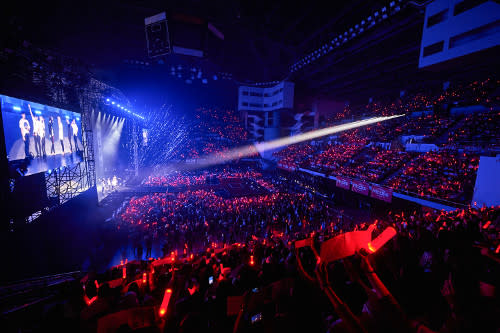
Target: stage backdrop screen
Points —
{"points": [[39, 137]]}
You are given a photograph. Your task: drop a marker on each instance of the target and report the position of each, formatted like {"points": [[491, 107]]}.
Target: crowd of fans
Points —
{"points": [[215, 132], [189, 178], [445, 174], [374, 163], [234, 264], [293, 155], [378, 153], [478, 129], [255, 262]]}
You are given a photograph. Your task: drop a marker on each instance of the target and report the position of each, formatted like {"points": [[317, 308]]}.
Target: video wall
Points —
{"points": [[40, 137]]}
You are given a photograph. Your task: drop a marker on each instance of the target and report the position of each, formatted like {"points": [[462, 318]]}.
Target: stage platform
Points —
{"points": [[49, 162]]}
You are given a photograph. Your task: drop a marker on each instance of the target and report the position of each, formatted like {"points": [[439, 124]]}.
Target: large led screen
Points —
{"points": [[40, 137]]}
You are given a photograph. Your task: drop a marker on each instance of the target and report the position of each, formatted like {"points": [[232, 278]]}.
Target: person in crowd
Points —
{"points": [[149, 245]]}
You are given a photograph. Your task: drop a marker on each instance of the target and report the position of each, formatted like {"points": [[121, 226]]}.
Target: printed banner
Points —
{"points": [[360, 187], [381, 193], [343, 183]]}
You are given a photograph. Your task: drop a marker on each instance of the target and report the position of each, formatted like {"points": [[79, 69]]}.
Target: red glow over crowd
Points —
{"points": [[379, 153], [227, 259], [279, 253], [215, 132]]}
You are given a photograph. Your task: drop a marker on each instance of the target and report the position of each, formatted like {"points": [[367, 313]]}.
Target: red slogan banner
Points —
{"points": [[360, 187], [343, 183], [381, 193]]}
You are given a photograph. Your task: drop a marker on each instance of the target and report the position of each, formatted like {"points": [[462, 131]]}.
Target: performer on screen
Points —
{"points": [[103, 185], [61, 133], [36, 133], [51, 135], [42, 134], [69, 134], [74, 127], [24, 126]]}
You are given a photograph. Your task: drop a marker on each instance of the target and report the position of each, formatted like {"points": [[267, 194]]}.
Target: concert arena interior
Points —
{"points": [[250, 166]]}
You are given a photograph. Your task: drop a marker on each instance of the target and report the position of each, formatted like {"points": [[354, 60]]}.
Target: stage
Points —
{"points": [[49, 162]]}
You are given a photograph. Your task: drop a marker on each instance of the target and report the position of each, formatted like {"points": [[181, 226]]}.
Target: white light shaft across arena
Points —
{"points": [[319, 133], [286, 141]]}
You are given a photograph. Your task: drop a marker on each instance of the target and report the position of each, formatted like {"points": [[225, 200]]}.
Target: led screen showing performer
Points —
{"points": [[32, 130]]}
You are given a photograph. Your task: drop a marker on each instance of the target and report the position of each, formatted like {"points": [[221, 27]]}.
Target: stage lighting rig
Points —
{"points": [[112, 103]]}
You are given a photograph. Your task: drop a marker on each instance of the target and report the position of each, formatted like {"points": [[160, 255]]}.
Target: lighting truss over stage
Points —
{"points": [[67, 182]]}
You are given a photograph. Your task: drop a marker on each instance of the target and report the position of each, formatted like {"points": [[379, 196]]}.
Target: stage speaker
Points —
{"points": [[157, 37]]}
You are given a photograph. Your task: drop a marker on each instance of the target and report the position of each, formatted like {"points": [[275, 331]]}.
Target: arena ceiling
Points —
{"points": [[261, 39]]}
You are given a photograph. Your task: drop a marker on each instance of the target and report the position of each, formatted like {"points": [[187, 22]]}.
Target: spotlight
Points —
{"points": [[107, 99], [113, 103], [17, 108]]}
